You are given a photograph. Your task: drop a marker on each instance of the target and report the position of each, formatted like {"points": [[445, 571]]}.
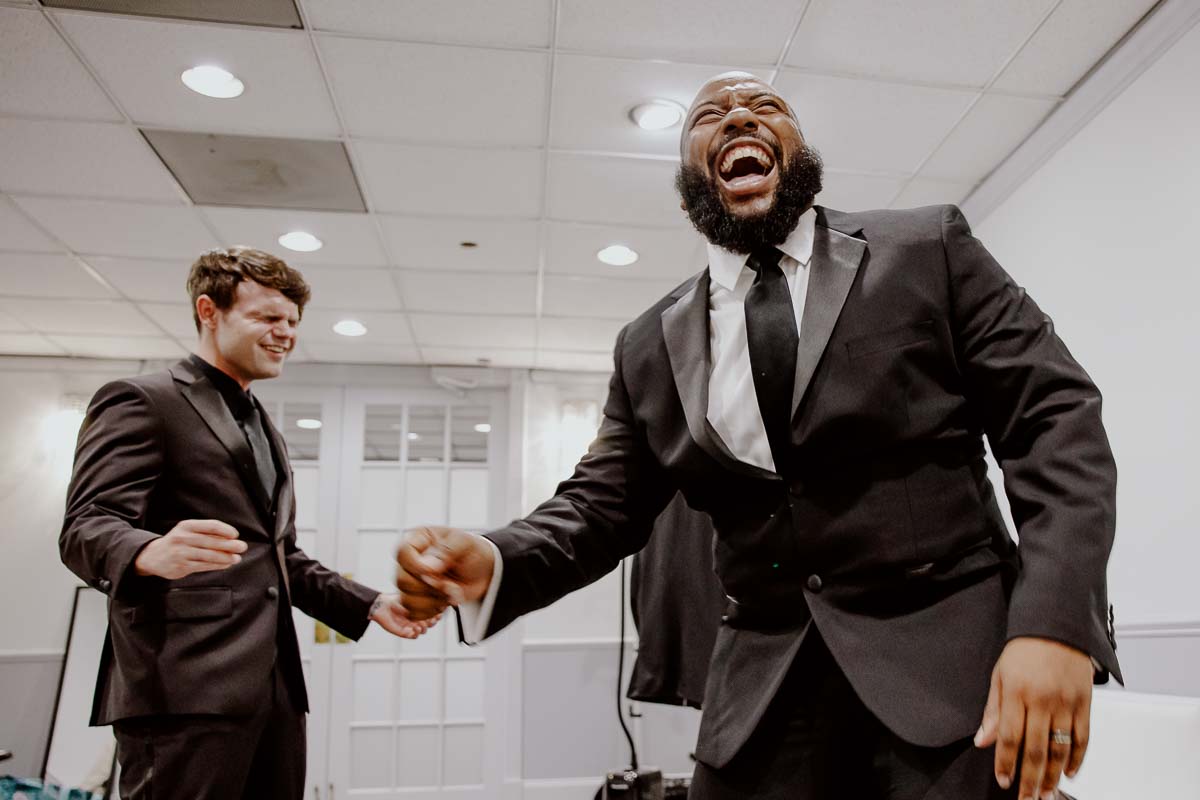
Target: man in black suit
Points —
{"points": [[181, 510], [822, 391]]}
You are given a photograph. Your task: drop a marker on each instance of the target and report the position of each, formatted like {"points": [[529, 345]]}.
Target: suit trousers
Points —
{"points": [[215, 757], [817, 741]]}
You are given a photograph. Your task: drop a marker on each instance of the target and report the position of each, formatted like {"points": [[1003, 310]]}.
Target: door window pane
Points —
{"points": [[302, 430], [382, 429]]}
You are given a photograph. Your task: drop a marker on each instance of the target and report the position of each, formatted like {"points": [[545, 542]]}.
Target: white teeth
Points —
{"points": [[745, 151]]}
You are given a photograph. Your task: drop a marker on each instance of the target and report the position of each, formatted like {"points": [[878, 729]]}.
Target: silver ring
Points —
{"points": [[1060, 737]]}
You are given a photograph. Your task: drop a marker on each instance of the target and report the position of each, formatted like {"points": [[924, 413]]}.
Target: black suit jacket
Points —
{"points": [[885, 533], [155, 450], [677, 603]]}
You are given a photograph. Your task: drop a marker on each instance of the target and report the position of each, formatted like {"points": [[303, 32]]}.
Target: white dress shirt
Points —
{"points": [[732, 403], [733, 409]]}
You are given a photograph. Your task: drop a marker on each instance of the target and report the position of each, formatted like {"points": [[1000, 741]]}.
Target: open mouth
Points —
{"points": [[276, 349], [744, 167]]}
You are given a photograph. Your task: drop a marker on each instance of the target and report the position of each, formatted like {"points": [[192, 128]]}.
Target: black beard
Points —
{"points": [[799, 183]]}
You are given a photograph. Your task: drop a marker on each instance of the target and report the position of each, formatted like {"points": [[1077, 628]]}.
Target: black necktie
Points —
{"points": [[264, 463], [772, 339]]}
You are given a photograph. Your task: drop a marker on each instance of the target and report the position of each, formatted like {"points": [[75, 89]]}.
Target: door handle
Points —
{"points": [[320, 632]]}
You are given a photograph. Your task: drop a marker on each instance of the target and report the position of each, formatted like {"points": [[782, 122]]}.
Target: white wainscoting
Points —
{"points": [[28, 686], [1161, 657]]}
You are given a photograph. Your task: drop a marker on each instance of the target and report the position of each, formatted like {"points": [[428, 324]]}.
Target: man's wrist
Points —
{"points": [[376, 604]]}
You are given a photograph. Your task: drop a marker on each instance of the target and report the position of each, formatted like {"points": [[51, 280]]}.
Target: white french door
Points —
{"points": [[425, 718]]}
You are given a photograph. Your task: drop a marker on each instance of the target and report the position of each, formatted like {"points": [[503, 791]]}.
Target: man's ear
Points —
{"points": [[206, 310]]}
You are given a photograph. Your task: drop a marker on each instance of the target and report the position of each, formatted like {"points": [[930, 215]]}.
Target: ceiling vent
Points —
{"points": [[266, 13], [225, 170]]}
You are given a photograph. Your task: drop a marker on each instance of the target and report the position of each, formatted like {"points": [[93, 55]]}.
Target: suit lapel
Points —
{"points": [[685, 332], [211, 407], [835, 260]]}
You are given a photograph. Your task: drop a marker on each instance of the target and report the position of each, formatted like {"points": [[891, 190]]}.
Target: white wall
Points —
{"points": [[1103, 236]]}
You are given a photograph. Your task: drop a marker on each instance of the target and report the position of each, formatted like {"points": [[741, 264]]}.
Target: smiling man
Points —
{"points": [[181, 510], [823, 391]]}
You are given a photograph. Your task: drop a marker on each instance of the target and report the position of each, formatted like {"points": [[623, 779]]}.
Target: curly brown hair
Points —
{"points": [[218, 272]]}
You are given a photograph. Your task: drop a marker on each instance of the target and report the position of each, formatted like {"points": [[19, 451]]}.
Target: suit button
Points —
{"points": [[104, 585], [272, 592], [814, 583]]}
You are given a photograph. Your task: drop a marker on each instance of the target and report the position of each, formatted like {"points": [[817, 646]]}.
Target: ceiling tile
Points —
{"points": [[120, 346], [106, 227], [493, 97], [479, 356], [430, 243], [662, 252], [593, 97], [914, 41], [993, 128], [28, 344], [46, 275], [614, 190], [29, 46], [850, 192], [145, 278], [926, 192], [1078, 34], [697, 30], [575, 361], [349, 352], [102, 317], [349, 239], [175, 318], [865, 126], [571, 333], [383, 327], [141, 60], [515, 23], [473, 330], [10, 324], [462, 292], [351, 288], [60, 158], [597, 297], [18, 233], [409, 179]]}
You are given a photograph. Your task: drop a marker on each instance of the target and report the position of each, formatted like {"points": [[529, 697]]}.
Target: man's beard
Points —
{"points": [[799, 183]]}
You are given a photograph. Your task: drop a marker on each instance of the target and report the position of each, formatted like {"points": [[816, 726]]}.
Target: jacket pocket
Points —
{"points": [[207, 602], [890, 339]]}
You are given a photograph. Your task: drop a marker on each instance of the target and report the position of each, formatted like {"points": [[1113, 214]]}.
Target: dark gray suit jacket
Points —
{"points": [[884, 532], [155, 450]]}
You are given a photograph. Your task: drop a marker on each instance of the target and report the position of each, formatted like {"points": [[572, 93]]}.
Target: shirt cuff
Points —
{"points": [[477, 614]]}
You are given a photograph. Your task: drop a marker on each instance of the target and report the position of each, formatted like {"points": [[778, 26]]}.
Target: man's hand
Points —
{"points": [[439, 567], [1040, 688], [194, 545], [390, 614]]}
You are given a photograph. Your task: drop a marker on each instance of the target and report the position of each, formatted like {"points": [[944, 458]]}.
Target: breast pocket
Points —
{"points": [[890, 339], [207, 602]]}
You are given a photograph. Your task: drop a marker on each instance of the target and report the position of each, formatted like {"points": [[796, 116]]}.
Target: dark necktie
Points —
{"points": [[772, 339], [252, 425]]}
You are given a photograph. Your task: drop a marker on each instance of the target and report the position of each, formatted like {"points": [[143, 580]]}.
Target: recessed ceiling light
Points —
{"points": [[657, 115], [301, 241], [413, 436], [350, 327], [483, 427], [618, 255], [309, 424], [212, 81]]}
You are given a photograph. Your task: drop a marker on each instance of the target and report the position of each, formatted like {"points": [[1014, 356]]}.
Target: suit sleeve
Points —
{"points": [[1041, 414], [323, 594], [118, 459], [601, 514]]}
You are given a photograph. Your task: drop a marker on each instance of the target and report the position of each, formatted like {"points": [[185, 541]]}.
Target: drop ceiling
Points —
{"points": [[502, 124]]}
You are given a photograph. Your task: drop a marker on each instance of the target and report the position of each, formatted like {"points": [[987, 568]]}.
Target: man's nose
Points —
{"points": [[739, 119]]}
